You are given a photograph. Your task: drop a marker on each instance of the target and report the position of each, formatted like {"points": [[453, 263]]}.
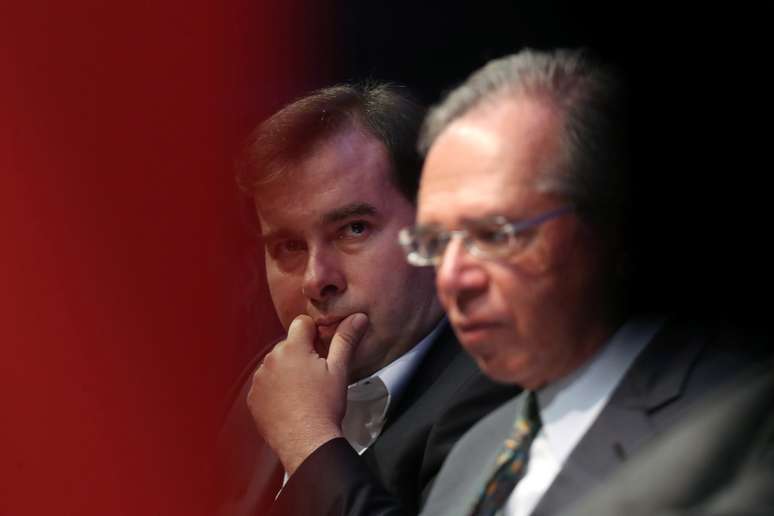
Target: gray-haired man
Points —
{"points": [[522, 211]]}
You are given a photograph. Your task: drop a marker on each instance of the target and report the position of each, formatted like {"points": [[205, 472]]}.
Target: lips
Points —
{"points": [[326, 327], [474, 332], [329, 321]]}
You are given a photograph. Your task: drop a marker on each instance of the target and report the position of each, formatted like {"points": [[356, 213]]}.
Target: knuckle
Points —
{"points": [[271, 358]]}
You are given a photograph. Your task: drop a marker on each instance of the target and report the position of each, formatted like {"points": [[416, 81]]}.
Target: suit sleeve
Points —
{"points": [[335, 481]]}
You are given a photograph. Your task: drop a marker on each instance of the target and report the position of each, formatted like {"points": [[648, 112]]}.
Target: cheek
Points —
{"points": [[390, 291], [397, 296], [549, 250], [523, 302], [286, 296], [560, 245], [421, 280], [508, 288], [384, 272]]}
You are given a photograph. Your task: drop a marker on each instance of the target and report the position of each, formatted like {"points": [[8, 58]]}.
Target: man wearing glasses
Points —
{"points": [[522, 212]]}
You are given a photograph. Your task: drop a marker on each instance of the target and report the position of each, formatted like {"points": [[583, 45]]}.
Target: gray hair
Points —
{"points": [[595, 171]]}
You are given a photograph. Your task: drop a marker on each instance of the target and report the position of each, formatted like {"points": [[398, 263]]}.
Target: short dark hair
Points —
{"points": [[386, 111]]}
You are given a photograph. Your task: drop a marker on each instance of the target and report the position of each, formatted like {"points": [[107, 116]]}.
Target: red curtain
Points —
{"points": [[129, 297]]}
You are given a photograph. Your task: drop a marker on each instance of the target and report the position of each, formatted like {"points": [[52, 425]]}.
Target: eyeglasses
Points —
{"points": [[492, 237]]}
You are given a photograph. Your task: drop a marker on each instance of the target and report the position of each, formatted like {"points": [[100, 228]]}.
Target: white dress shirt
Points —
{"points": [[569, 406], [369, 399]]}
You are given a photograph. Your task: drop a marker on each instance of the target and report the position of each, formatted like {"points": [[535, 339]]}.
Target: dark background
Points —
{"points": [[699, 95], [700, 91], [129, 278]]}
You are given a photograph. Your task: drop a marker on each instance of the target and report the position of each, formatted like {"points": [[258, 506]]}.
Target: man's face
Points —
{"points": [[534, 315], [330, 229]]}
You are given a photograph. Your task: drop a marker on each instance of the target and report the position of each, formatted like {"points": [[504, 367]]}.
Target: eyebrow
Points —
{"points": [[350, 210], [360, 209]]}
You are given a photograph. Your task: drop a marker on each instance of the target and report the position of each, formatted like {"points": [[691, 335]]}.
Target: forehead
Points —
{"points": [[489, 161], [350, 167]]}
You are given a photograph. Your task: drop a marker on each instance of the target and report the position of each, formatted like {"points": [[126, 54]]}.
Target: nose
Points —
{"points": [[458, 271], [323, 277]]}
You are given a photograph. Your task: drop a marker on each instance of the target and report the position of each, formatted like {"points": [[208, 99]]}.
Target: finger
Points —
{"points": [[344, 342], [301, 333]]}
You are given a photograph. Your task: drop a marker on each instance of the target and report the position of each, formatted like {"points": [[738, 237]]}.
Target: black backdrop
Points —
{"points": [[699, 80]]}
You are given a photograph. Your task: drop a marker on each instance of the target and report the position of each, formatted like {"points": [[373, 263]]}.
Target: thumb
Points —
{"points": [[344, 342], [302, 332]]}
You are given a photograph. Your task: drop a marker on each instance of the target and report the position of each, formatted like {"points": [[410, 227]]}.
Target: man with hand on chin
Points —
{"points": [[370, 389], [325, 378]]}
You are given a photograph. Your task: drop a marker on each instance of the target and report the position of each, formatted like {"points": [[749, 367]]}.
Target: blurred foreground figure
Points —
{"points": [[370, 389], [523, 213], [718, 461]]}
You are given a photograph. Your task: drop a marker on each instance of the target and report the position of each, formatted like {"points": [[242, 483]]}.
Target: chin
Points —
{"points": [[499, 375], [497, 368]]}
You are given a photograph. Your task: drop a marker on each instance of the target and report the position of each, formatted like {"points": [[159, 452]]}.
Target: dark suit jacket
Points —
{"points": [[247, 471], [446, 395], [681, 364], [718, 461]]}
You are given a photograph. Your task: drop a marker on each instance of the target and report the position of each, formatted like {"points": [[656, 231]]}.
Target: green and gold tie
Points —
{"points": [[511, 462]]}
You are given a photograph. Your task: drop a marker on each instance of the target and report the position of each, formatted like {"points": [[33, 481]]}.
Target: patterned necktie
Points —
{"points": [[511, 462]]}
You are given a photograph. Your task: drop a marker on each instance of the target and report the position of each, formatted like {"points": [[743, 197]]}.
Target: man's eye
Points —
{"points": [[354, 229], [294, 245], [491, 236], [287, 247], [432, 244]]}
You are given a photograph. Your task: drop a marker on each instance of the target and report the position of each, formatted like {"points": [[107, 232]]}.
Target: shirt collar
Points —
{"points": [[396, 374], [569, 406], [369, 399]]}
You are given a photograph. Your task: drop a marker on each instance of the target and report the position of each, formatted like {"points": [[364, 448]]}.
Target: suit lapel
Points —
{"points": [[654, 381], [382, 454], [437, 359], [471, 464], [500, 429]]}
